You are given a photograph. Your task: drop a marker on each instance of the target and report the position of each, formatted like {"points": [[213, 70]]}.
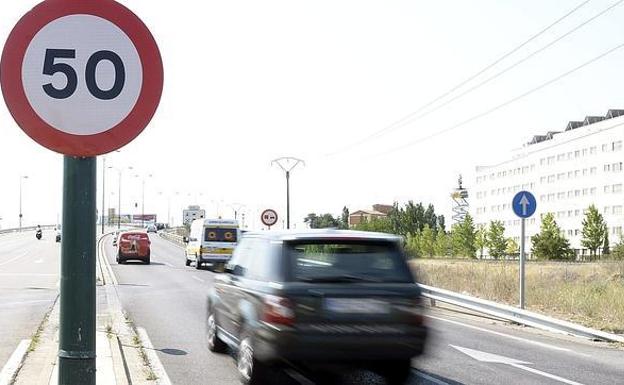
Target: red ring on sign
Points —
{"points": [[43, 133]]}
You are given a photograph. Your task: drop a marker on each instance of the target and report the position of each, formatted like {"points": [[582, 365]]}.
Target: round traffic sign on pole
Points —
{"points": [[269, 217], [81, 78], [524, 204]]}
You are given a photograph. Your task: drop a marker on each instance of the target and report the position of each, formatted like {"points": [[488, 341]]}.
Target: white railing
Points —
{"points": [[514, 314]]}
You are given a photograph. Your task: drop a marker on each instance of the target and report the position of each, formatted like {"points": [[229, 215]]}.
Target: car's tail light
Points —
{"points": [[416, 314], [278, 310]]}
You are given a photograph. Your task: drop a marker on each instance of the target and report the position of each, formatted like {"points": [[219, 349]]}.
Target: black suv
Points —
{"points": [[315, 298]]}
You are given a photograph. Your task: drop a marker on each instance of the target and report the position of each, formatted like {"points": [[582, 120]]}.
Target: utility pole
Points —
{"points": [[287, 164], [22, 177], [103, 190]]}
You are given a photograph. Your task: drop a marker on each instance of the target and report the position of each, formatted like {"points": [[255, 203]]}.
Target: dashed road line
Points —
{"points": [[197, 279], [536, 343]]}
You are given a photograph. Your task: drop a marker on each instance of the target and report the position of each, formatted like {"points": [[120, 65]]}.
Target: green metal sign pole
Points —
{"points": [[78, 306]]}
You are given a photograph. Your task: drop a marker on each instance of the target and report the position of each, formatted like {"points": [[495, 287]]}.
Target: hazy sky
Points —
{"points": [[249, 81]]}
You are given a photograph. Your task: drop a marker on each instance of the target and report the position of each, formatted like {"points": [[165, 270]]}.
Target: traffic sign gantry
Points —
{"points": [[524, 206], [82, 78], [269, 217]]}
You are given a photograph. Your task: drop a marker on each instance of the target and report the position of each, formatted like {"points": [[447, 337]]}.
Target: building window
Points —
{"points": [[561, 176], [570, 233], [570, 194], [551, 159], [577, 232], [577, 153], [577, 173], [585, 172], [617, 210], [592, 150], [617, 146], [607, 189], [607, 167], [592, 191], [542, 161], [616, 188], [592, 171], [585, 191], [551, 197], [542, 197], [616, 167], [605, 147], [617, 230], [584, 152], [543, 179], [561, 195], [560, 157], [551, 178], [577, 212], [570, 212], [606, 210], [577, 193]]}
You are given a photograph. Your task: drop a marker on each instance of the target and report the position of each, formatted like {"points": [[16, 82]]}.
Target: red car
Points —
{"points": [[133, 245]]}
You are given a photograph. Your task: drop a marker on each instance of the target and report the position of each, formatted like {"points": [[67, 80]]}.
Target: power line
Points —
{"points": [[462, 83], [509, 68], [508, 102]]}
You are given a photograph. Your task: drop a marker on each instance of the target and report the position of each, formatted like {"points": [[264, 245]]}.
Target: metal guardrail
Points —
{"points": [[175, 238], [28, 228], [517, 315]]}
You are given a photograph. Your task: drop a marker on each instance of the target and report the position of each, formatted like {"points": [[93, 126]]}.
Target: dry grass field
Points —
{"points": [[591, 294]]}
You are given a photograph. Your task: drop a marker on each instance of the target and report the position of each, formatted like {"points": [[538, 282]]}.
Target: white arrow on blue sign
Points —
{"points": [[524, 204]]}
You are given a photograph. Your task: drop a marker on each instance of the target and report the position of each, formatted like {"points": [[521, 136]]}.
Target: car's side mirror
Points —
{"points": [[235, 270], [185, 239]]}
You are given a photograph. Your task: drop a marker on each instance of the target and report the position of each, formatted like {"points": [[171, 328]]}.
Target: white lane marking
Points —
{"points": [[157, 366], [544, 374], [38, 261], [496, 359], [168, 264], [427, 377], [536, 343], [197, 279], [15, 361], [14, 259]]}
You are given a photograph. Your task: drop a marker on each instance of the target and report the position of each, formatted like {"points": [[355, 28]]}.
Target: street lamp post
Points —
{"points": [[120, 171], [22, 177], [143, 196], [287, 164]]}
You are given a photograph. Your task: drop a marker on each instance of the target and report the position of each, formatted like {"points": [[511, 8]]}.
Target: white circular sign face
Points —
{"points": [[269, 217], [82, 74]]}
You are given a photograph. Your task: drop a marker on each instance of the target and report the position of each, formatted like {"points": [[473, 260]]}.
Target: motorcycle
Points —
{"points": [[39, 234]]}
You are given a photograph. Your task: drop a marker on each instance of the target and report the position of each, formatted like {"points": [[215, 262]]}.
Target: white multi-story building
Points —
{"points": [[566, 171]]}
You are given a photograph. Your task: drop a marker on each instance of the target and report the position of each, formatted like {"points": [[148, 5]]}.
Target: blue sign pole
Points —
{"points": [[524, 205]]}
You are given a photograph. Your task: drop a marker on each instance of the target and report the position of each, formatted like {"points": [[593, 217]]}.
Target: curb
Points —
{"points": [[13, 365]]}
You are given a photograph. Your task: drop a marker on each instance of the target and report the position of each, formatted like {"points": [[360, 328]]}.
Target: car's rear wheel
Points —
{"points": [[148, 259], [188, 262], [395, 372], [198, 264], [215, 344], [250, 370]]}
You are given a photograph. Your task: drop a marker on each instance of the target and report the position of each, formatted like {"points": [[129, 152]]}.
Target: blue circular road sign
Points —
{"points": [[524, 204]]}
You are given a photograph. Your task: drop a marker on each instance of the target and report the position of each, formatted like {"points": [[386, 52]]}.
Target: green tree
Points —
{"points": [[427, 243], [344, 218], [512, 248], [606, 250], [441, 223], [618, 250], [430, 219], [380, 225], [413, 245], [463, 236], [549, 243], [311, 220], [441, 248], [481, 240], [593, 230], [496, 242], [323, 221]]}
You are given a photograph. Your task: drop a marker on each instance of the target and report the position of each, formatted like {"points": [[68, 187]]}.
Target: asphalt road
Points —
{"points": [[29, 274], [168, 300]]}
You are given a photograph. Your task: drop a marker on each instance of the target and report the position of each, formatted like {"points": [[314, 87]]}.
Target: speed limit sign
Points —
{"points": [[81, 78], [269, 217]]}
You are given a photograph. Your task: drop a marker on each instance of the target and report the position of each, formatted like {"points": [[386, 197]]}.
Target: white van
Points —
{"points": [[211, 241]]}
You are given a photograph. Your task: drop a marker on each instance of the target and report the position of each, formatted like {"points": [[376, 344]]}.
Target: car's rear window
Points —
{"points": [[133, 237], [220, 235], [347, 261]]}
